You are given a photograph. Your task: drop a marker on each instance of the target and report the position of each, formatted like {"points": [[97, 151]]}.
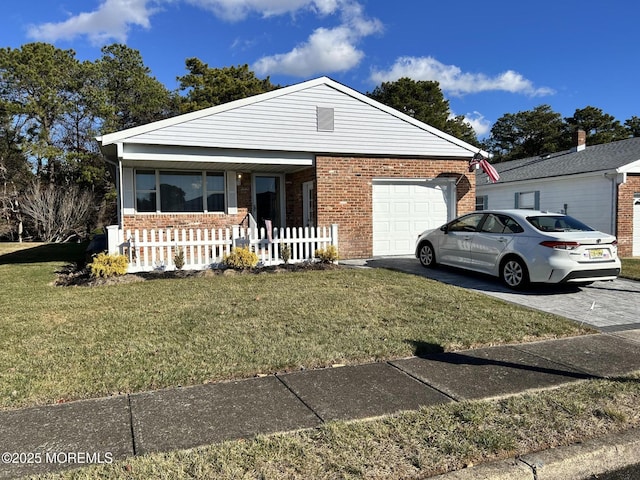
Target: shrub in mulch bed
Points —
{"points": [[74, 275]]}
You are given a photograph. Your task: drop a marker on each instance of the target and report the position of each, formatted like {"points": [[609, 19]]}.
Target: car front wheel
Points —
{"points": [[514, 273], [426, 255]]}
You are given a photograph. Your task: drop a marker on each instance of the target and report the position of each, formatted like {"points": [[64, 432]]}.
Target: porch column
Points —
{"points": [[113, 239]]}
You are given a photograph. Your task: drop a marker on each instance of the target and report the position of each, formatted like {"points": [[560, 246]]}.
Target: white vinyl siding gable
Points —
{"points": [[290, 123]]}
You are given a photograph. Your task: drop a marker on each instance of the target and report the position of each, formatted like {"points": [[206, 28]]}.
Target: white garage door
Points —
{"points": [[636, 226], [402, 210]]}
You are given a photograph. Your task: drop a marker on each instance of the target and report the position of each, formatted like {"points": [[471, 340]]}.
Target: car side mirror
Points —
{"points": [[445, 229]]}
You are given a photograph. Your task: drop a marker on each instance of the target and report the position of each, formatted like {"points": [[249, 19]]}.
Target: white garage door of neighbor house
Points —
{"points": [[404, 209], [636, 226]]}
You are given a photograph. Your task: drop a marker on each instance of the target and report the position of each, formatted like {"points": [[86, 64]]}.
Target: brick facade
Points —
{"points": [[293, 185], [344, 193], [624, 221], [343, 188]]}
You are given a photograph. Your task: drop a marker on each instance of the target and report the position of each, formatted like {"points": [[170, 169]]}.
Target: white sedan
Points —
{"points": [[522, 246]]}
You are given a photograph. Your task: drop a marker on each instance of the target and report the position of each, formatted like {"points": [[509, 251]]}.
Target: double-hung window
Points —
{"points": [[215, 192], [179, 191]]}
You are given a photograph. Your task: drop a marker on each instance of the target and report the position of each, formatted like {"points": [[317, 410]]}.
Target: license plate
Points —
{"points": [[596, 253]]}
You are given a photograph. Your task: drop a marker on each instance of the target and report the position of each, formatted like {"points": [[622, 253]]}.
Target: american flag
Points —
{"points": [[486, 167]]}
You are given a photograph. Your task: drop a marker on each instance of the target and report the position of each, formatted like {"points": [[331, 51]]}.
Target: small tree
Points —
{"points": [[57, 214]]}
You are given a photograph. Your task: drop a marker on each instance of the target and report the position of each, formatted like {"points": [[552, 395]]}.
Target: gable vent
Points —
{"points": [[325, 119]]}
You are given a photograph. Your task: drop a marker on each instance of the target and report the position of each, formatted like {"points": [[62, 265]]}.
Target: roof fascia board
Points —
{"points": [[140, 157], [633, 167], [404, 117]]}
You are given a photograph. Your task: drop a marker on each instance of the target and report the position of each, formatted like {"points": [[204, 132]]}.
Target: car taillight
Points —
{"points": [[558, 245]]}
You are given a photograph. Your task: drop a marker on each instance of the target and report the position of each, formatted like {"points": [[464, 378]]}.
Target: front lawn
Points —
{"points": [[65, 343], [630, 268]]}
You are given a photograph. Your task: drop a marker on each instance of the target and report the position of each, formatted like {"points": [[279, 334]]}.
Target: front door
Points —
{"points": [[267, 199]]}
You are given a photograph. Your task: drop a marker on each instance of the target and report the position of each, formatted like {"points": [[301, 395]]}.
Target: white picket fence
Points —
{"points": [[150, 250]]}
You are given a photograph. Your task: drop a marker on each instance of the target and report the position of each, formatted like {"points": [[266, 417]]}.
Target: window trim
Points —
{"points": [[485, 202], [536, 200], [203, 173]]}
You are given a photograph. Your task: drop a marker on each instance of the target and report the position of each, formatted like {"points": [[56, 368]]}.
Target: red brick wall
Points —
{"points": [[624, 229], [182, 220], [293, 184], [344, 193]]}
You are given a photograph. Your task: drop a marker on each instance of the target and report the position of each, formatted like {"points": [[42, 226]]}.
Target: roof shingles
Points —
{"points": [[604, 157]]}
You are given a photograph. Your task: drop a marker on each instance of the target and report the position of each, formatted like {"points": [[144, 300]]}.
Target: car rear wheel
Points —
{"points": [[513, 273], [426, 255]]}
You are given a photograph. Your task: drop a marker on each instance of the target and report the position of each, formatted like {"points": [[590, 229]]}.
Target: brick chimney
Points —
{"points": [[579, 140]]}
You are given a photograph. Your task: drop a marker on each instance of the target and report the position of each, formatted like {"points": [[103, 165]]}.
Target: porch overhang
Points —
{"points": [[176, 157]]}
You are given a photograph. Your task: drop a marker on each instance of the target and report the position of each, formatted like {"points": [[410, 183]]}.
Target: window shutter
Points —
{"points": [[517, 200], [128, 195], [537, 200], [485, 201], [232, 196]]}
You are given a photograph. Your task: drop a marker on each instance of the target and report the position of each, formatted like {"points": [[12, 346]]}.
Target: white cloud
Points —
{"points": [[454, 81], [327, 49], [478, 122], [235, 10], [111, 21]]}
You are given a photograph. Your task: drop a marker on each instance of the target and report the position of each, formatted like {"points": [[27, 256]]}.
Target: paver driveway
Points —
{"points": [[607, 306]]}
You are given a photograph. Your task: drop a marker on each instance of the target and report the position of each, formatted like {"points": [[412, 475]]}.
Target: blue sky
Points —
{"points": [[491, 58]]}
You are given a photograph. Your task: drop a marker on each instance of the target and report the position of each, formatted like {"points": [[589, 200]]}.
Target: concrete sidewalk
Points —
{"points": [[109, 429]]}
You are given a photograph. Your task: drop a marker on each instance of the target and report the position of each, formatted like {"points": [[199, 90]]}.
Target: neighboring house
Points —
{"points": [[599, 185], [313, 154]]}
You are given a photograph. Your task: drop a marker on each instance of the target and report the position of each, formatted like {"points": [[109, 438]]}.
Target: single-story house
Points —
{"points": [[312, 154], [597, 184]]}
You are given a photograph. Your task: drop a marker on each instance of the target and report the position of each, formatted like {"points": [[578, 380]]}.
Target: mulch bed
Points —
{"points": [[74, 275]]}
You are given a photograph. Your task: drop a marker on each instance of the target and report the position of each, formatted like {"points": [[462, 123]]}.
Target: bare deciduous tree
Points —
{"points": [[57, 213], [9, 210]]}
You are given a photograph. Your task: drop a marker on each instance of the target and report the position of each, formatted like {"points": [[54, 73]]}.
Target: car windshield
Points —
{"points": [[558, 223]]}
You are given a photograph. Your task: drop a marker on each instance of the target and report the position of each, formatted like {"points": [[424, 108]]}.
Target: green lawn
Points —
{"points": [[65, 343], [631, 268]]}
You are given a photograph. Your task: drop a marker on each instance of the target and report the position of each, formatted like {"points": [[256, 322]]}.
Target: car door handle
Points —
{"points": [[502, 240]]}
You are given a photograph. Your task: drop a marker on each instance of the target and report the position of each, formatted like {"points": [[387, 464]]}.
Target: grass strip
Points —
{"points": [[409, 445]]}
